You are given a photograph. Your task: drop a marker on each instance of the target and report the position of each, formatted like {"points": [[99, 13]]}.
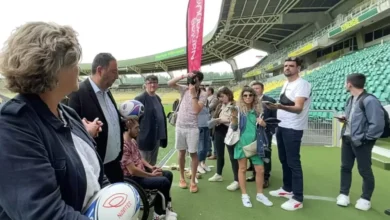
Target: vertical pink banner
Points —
{"points": [[195, 18]]}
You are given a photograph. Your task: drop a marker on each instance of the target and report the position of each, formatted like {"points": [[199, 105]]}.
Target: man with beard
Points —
{"points": [[293, 112], [187, 132], [94, 101]]}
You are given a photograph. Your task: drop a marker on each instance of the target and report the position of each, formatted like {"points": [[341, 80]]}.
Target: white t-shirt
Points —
{"points": [[90, 163], [293, 90], [91, 166]]}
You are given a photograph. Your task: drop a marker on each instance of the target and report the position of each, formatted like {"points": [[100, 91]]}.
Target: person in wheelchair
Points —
{"points": [[146, 175]]}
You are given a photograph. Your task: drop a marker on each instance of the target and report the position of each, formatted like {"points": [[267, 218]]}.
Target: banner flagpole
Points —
{"points": [[195, 20]]}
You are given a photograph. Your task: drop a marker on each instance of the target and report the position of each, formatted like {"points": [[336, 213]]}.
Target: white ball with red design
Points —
{"points": [[114, 202], [131, 109]]}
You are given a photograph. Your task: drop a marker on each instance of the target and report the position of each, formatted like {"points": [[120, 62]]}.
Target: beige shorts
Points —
{"points": [[187, 139]]}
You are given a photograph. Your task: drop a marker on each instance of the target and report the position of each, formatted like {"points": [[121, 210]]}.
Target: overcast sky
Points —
{"points": [[126, 28]]}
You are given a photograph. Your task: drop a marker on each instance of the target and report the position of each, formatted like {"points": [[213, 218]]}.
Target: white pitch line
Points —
{"points": [[323, 198], [169, 158]]}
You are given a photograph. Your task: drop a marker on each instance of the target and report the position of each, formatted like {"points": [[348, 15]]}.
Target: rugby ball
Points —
{"points": [[116, 201], [131, 109]]}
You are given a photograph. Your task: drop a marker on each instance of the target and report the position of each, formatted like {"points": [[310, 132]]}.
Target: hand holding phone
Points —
{"points": [[341, 118]]}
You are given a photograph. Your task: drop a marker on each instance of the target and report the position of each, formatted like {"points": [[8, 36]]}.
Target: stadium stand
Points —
{"points": [[328, 80]]}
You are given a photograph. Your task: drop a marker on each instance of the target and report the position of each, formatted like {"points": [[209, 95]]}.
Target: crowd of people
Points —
{"points": [[62, 141]]}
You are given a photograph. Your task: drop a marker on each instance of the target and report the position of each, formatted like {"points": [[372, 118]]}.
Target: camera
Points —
{"points": [[191, 80]]}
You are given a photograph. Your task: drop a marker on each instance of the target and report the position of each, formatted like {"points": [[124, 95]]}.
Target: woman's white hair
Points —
{"points": [[34, 54]]}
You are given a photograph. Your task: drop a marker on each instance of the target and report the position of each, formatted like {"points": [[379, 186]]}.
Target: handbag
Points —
{"points": [[172, 116], [232, 137], [250, 150]]}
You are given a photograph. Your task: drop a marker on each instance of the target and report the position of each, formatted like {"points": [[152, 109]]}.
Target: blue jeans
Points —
{"points": [[289, 147], [204, 143], [211, 151]]}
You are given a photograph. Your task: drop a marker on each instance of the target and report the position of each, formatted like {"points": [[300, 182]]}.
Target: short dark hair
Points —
{"points": [[103, 60], [211, 89], [297, 60], [199, 75], [226, 91], [257, 83], [151, 78], [357, 80]]}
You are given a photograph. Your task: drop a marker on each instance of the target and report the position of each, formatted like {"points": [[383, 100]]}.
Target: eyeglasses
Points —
{"points": [[247, 95]]}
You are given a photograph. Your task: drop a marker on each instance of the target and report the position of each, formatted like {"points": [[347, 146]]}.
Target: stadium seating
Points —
{"points": [[328, 80]]}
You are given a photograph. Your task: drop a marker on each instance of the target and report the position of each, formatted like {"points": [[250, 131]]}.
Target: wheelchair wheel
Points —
{"points": [[145, 207]]}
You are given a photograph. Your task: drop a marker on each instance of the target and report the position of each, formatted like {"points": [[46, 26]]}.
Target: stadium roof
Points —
{"points": [[243, 24]]}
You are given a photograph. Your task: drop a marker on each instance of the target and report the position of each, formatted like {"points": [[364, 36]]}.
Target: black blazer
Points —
{"points": [[42, 176], [146, 138], [86, 104]]}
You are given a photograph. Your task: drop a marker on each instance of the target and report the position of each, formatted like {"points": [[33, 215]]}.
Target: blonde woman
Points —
{"points": [[249, 111], [49, 165]]}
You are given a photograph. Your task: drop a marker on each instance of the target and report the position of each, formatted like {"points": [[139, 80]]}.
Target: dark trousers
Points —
{"points": [[362, 154], [211, 152], [289, 146], [161, 183], [268, 154], [113, 171], [219, 144]]}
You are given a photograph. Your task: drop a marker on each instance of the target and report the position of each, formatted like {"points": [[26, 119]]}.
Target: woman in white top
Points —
{"points": [[222, 114]]}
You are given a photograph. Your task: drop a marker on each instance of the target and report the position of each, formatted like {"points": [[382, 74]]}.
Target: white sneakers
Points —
{"points": [[216, 178], [291, 204], [281, 193], [203, 168], [263, 199], [259, 197], [168, 216], [343, 200], [233, 186], [361, 204]]}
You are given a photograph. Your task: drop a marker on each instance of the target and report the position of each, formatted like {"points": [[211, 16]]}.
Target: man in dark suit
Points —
{"points": [[94, 100], [153, 123], [259, 88]]}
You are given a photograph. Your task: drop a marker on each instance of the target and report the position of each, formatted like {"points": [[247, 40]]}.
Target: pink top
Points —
{"points": [[186, 117], [131, 155]]}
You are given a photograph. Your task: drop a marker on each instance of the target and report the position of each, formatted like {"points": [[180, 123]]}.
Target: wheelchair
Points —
{"points": [[147, 197]]}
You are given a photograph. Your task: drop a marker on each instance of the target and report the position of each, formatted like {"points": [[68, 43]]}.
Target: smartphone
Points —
{"points": [[340, 118], [267, 102]]}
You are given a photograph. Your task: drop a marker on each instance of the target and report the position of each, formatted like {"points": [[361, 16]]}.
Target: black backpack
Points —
{"points": [[386, 131]]}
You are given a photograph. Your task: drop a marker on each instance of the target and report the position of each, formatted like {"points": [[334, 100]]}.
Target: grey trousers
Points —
{"points": [[151, 156], [362, 154]]}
